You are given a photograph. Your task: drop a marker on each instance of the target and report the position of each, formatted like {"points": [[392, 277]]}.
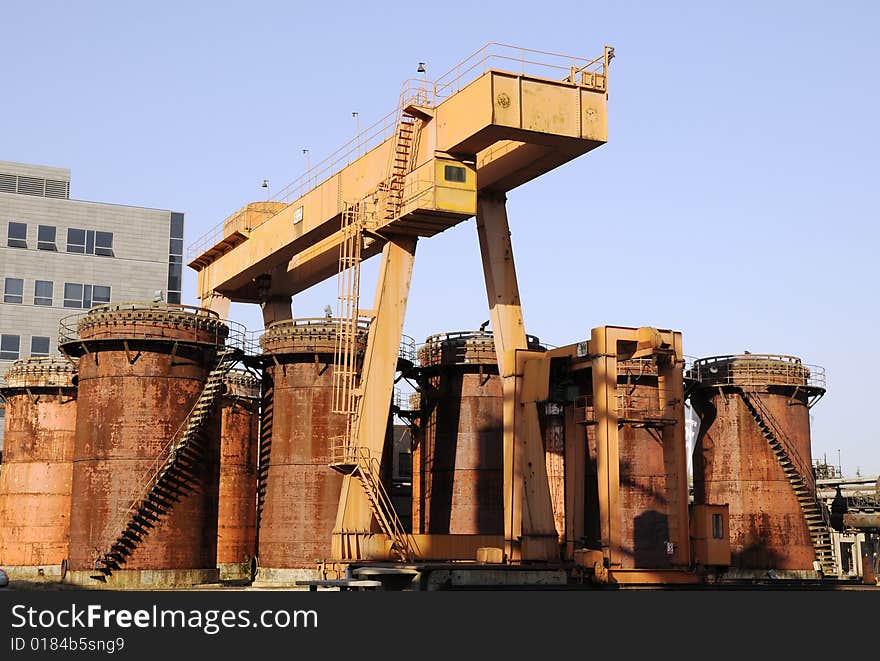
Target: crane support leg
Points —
{"points": [[607, 452], [529, 529], [671, 382], [352, 535], [575, 480]]}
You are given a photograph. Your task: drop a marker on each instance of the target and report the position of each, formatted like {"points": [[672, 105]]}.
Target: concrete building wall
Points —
{"points": [[136, 270]]}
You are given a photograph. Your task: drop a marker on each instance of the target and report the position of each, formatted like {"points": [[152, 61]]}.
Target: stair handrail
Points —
{"points": [[373, 467], [787, 445], [148, 476]]}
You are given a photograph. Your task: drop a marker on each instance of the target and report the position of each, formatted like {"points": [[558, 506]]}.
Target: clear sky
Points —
{"points": [[736, 199]]}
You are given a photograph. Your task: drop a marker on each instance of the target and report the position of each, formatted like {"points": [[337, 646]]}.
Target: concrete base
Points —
{"points": [[34, 574], [144, 579], [284, 577], [233, 571], [446, 579], [734, 574]]}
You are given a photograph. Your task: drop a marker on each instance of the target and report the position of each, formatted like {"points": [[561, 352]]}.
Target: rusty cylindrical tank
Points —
{"points": [[37, 470], [236, 520], [142, 370], [643, 502], [458, 450], [735, 462], [300, 491]]}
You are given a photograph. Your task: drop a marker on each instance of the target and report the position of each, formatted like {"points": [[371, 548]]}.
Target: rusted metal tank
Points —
{"points": [[37, 470], [141, 371], [734, 461], [643, 503], [458, 449], [299, 490], [236, 521]]}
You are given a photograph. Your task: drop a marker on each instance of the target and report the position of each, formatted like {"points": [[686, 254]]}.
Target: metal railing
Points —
{"points": [[591, 72], [757, 369], [226, 332]]}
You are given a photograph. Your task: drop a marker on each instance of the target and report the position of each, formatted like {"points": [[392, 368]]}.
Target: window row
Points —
{"points": [[81, 241], [76, 295], [10, 346]]}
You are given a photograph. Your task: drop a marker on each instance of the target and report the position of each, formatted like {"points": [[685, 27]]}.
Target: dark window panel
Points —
{"points": [[87, 296], [104, 244], [13, 290], [16, 235], [39, 346], [175, 259], [10, 346], [46, 237], [176, 225], [76, 240], [174, 297], [90, 242], [43, 292], [175, 247], [100, 294]]}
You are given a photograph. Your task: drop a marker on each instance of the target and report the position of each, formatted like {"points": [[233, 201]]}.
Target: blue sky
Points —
{"points": [[736, 199]]}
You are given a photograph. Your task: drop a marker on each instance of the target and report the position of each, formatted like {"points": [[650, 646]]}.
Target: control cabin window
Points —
{"points": [[717, 526], [454, 173]]}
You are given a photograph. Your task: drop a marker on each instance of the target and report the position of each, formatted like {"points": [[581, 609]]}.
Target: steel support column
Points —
{"points": [[352, 536], [529, 530]]}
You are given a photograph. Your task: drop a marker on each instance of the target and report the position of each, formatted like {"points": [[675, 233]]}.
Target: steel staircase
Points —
{"points": [[360, 463], [170, 478], [794, 468], [401, 165]]}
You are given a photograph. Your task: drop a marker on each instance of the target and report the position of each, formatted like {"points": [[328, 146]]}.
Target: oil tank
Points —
{"points": [[643, 503], [239, 442], [299, 490], [37, 470], [141, 371], [744, 402], [458, 450]]}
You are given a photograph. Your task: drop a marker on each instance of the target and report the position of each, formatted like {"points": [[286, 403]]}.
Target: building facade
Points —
{"points": [[59, 256]]}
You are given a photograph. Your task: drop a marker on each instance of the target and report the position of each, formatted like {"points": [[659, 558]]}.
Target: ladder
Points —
{"points": [[345, 367], [170, 478], [359, 462], [401, 165], [794, 469]]}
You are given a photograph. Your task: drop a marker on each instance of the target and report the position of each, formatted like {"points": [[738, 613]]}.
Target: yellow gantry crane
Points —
{"points": [[450, 151]]}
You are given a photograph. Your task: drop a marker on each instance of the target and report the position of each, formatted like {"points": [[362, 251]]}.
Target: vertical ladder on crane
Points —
{"points": [[401, 164], [345, 392]]}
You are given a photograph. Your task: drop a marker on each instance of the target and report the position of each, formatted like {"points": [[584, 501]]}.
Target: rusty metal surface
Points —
{"points": [[733, 463], [553, 432], [130, 404], [301, 491], [35, 481], [237, 509], [644, 506], [457, 460]]}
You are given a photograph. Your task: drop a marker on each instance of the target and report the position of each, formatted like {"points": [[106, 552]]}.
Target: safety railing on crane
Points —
{"points": [[756, 369], [589, 72]]}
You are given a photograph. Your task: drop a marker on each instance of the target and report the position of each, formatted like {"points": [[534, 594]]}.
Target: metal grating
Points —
{"points": [[24, 185]]}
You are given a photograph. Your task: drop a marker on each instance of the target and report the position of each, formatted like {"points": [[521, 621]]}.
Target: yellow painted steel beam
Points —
{"points": [[529, 528], [354, 519], [513, 127]]}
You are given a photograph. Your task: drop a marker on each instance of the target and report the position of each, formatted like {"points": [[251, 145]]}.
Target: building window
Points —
{"points": [[175, 258], [39, 346], [454, 173], [46, 238], [89, 242], [43, 292], [9, 347], [104, 244], [13, 291], [717, 527], [16, 235], [85, 296]]}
